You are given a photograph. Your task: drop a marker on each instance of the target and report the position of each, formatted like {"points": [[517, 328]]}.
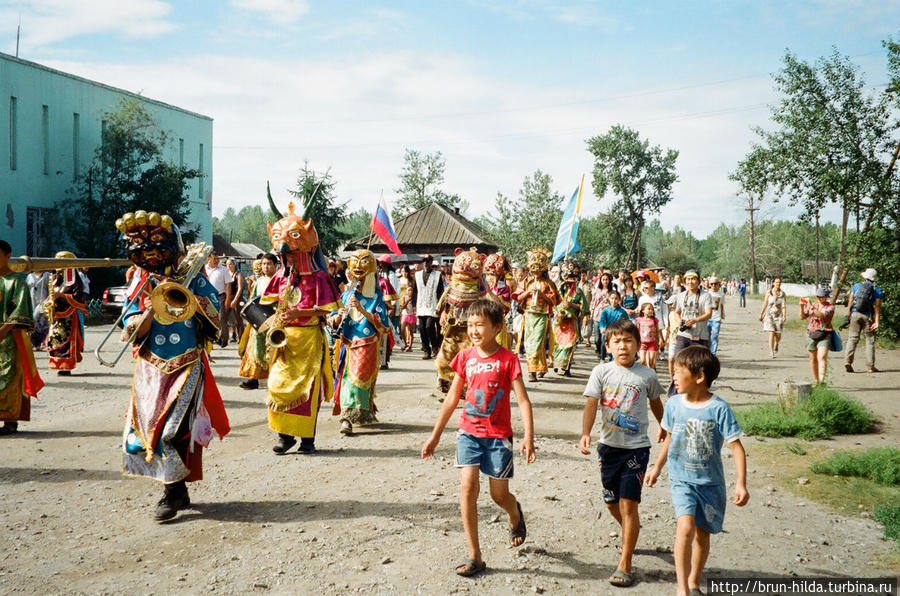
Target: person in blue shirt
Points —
{"points": [[742, 293], [698, 423], [610, 315], [863, 316]]}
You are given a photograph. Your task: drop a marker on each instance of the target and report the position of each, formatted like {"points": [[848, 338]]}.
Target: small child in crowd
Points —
{"points": [[610, 315], [698, 423], [408, 320], [624, 388], [648, 325], [489, 373]]}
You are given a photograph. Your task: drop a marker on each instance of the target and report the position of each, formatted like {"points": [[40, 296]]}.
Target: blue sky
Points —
{"points": [[502, 89]]}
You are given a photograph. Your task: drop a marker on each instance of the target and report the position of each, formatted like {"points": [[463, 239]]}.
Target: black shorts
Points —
{"points": [[622, 472]]}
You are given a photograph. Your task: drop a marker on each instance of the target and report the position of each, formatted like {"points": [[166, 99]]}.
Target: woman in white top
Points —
{"points": [[773, 315]]}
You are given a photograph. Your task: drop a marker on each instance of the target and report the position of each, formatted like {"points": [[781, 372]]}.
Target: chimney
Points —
{"points": [[456, 210]]}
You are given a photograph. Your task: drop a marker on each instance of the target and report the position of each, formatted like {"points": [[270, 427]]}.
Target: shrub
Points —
{"points": [[888, 515], [824, 413], [880, 464]]}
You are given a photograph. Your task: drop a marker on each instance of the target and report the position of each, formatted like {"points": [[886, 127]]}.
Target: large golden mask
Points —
{"points": [[538, 260], [468, 264], [361, 264]]}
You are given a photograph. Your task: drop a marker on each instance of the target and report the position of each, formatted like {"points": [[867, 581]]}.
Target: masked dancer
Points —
{"points": [[538, 296], [300, 372], [360, 325], [65, 308], [173, 320], [567, 317], [19, 378], [465, 287], [500, 283], [252, 347]]}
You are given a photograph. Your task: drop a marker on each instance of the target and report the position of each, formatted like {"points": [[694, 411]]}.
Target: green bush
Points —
{"points": [[880, 464], [824, 413], [888, 515]]}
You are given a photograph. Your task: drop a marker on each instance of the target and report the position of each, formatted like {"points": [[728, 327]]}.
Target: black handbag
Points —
{"points": [[819, 334]]}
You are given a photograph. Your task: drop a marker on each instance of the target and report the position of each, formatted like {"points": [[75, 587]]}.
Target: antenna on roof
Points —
{"points": [[18, 30]]}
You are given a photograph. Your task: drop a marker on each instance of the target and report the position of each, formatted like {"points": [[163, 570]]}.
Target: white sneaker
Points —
{"points": [[346, 427]]}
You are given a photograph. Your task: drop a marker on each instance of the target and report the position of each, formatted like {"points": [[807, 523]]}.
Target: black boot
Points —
{"points": [[174, 499], [285, 442], [250, 384], [307, 445], [9, 428]]}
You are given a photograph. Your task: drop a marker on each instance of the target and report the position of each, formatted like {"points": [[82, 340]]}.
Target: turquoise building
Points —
{"points": [[50, 125]]}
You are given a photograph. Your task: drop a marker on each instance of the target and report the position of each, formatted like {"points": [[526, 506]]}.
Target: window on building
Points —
{"points": [[76, 141], [45, 138], [180, 153], [36, 241], [13, 133], [200, 167]]}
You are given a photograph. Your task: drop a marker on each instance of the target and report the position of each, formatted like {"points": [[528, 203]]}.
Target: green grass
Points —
{"points": [[824, 413], [879, 464], [888, 515]]}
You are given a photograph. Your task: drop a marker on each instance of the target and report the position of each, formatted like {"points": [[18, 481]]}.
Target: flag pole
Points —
{"points": [[371, 229], [574, 215]]}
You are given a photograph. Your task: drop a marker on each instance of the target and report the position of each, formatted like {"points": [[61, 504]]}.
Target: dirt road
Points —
{"points": [[367, 515]]}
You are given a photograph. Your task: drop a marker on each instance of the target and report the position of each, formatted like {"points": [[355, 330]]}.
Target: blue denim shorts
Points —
{"points": [[494, 457], [706, 502]]}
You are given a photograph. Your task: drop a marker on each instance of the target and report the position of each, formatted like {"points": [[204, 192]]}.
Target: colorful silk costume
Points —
{"points": [[466, 286], [252, 346], [390, 298], [19, 379], [496, 269], [567, 317], [537, 295], [175, 404], [300, 372], [358, 343], [65, 310]]}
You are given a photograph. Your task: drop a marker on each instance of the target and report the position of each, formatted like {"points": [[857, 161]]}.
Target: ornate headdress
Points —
{"points": [[295, 239], [154, 241]]}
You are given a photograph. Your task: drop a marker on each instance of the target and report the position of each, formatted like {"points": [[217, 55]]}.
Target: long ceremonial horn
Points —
{"points": [[308, 205], [272, 201]]}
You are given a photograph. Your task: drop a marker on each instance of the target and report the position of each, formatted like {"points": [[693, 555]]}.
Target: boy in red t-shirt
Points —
{"points": [[484, 438]]}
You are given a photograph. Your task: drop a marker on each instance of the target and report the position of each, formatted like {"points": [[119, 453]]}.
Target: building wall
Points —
{"points": [[50, 126]]}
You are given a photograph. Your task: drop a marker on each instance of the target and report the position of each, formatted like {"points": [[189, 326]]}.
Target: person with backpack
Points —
{"points": [[863, 316]]}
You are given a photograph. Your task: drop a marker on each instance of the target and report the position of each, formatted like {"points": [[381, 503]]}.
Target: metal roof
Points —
{"points": [[435, 225]]}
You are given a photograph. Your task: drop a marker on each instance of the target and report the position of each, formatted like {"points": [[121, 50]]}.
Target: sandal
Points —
{"points": [[470, 568], [621, 579], [519, 531]]}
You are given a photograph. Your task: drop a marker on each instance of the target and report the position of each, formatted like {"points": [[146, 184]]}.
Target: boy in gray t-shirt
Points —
{"points": [[624, 389]]}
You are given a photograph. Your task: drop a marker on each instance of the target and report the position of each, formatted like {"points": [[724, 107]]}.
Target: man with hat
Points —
{"points": [[718, 312], [694, 308], [864, 316]]}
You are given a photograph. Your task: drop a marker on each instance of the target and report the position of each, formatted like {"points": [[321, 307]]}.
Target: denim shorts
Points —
{"points": [[622, 472], [494, 457], [706, 502]]}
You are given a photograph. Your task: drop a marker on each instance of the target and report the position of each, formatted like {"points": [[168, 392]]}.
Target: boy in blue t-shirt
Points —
{"points": [[698, 423], [610, 315]]}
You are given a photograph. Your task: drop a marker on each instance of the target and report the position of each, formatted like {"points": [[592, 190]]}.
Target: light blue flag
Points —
{"points": [[567, 236]]}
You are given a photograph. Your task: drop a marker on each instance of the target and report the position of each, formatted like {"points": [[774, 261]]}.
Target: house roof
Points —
{"points": [[433, 226], [240, 250]]}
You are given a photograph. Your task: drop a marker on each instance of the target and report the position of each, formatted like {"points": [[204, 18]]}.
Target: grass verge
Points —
{"points": [[879, 464], [824, 413]]}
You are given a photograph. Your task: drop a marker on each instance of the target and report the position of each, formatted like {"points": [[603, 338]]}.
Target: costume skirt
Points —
{"points": [[356, 388], [536, 333], [456, 338], [299, 375]]}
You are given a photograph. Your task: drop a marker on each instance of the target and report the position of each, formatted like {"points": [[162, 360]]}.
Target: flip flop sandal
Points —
{"points": [[470, 568], [621, 579], [519, 531], [696, 592]]}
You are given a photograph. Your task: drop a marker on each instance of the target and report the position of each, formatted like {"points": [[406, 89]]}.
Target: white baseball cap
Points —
{"points": [[870, 274]]}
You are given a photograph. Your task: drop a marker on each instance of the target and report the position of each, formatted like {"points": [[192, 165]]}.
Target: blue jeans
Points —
{"points": [[714, 327]]}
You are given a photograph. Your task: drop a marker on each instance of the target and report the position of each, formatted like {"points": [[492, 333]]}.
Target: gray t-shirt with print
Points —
{"points": [[691, 306], [623, 394]]}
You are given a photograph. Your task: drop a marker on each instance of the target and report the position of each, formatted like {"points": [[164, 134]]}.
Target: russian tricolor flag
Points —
{"points": [[383, 226]]}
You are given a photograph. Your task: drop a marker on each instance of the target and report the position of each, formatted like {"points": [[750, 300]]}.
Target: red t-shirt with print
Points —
{"points": [[486, 412]]}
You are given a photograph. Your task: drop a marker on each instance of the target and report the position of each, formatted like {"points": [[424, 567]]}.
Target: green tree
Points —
{"points": [[642, 176], [420, 181], [752, 177], [604, 240], [127, 173], [357, 224], [247, 225], [531, 220]]}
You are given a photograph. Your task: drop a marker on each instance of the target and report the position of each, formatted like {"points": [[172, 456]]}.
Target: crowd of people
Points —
{"points": [[315, 330]]}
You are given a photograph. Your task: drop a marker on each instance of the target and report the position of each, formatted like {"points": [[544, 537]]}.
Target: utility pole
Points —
{"points": [[751, 209], [816, 278]]}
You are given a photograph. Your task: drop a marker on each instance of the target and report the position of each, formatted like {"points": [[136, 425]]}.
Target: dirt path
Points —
{"points": [[367, 515]]}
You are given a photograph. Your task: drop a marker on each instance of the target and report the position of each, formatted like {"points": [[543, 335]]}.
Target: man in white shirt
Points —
{"points": [[718, 312], [428, 286], [220, 278]]}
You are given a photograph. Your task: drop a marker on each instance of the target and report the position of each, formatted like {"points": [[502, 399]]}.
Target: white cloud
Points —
{"points": [[358, 117], [49, 21], [285, 12]]}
